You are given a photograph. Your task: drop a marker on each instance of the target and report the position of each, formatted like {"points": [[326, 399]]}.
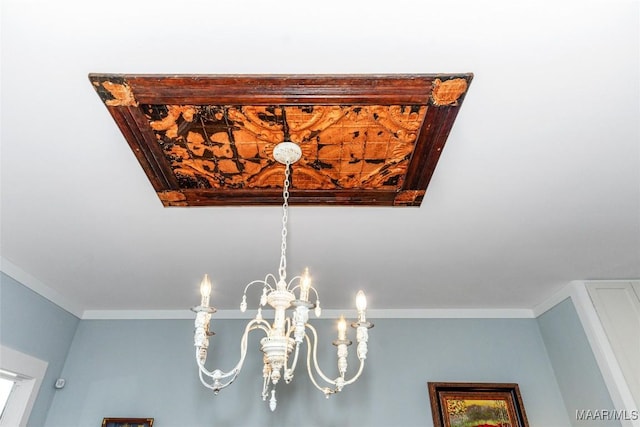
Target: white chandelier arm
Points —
{"points": [[326, 390], [205, 383], [293, 280], [311, 288], [216, 385], [357, 375], [339, 383], [252, 325], [264, 282], [288, 372], [265, 386], [318, 310], [299, 278], [361, 337], [216, 375], [315, 355], [266, 288], [264, 328]]}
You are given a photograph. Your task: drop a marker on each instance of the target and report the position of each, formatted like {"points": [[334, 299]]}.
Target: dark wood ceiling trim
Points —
{"points": [[425, 105], [144, 146], [264, 197], [294, 89]]}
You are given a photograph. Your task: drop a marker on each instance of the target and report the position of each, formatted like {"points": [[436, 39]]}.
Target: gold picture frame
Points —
{"points": [[127, 422], [477, 404]]}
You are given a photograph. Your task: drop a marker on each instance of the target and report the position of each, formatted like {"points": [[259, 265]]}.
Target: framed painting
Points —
{"points": [[477, 405], [127, 422]]}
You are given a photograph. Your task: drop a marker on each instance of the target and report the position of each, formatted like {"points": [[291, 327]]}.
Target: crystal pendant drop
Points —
{"points": [[318, 310], [243, 304], [273, 402]]}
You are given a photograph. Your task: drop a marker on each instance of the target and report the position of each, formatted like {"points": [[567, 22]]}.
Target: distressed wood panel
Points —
{"points": [[208, 140]]}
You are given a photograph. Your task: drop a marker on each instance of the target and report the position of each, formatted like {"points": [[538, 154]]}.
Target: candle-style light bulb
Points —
{"points": [[361, 305], [205, 290], [342, 328], [361, 301], [305, 284]]}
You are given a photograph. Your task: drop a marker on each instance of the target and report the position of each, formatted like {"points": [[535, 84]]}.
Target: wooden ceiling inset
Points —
{"points": [[208, 139]]}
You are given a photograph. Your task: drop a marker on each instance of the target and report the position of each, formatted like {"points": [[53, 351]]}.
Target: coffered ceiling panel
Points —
{"points": [[208, 139]]}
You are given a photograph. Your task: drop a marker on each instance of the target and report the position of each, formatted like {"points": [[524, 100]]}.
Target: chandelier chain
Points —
{"points": [[285, 217]]}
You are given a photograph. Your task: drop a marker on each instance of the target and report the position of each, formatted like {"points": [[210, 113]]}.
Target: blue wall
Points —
{"points": [[31, 324], [146, 368], [575, 366]]}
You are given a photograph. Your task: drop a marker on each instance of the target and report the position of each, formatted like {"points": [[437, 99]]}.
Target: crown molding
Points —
{"points": [[555, 299], [464, 313], [21, 276], [75, 308]]}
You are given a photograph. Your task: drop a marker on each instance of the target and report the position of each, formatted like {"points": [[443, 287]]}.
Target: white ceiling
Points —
{"points": [[539, 183]]}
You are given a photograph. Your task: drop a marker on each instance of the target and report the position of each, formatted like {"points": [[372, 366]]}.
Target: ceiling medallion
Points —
{"points": [[287, 152], [289, 330]]}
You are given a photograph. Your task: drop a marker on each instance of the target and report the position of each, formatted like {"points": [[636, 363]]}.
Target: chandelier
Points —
{"points": [[289, 330]]}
